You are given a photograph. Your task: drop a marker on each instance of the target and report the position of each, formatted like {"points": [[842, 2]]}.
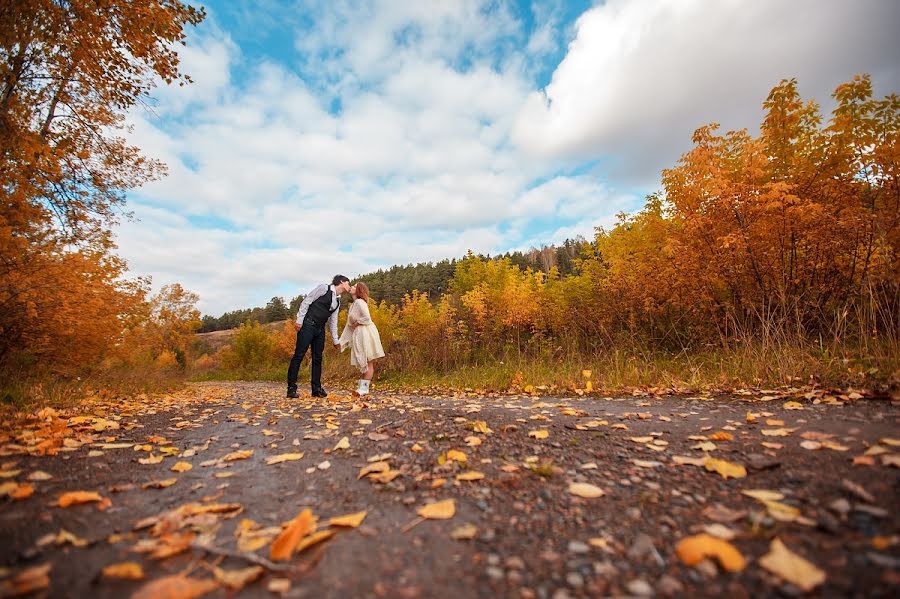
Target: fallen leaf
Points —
{"points": [[470, 475], [776, 432], [324, 465], [763, 494], [720, 531], [726, 469], [279, 585], [465, 532], [641, 439], [30, 580], [721, 436], [238, 579], [39, 475], [181, 467], [78, 497], [22, 491], [151, 459], [441, 510], [287, 541], [704, 446], [283, 457], [376, 467], [344, 443], [350, 520], [790, 567], [586, 490], [177, 586], [238, 455], [314, 538], [695, 549], [538, 434], [454, 454], [126, 570], [473, 441], [480, 426], [689, 461], [159, 484]]}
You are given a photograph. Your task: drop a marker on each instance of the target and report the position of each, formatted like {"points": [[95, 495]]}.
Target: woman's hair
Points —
{"points": [[362, 292]]}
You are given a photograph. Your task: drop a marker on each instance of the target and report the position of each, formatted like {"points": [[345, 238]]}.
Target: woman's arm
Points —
{"points": [[362, 317]]}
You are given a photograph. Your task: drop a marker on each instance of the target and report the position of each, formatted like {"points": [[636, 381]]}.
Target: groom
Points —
{"points": [[319, 308]]}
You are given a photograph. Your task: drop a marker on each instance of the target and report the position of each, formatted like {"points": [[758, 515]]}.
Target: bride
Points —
{"points": [[361, 336]]}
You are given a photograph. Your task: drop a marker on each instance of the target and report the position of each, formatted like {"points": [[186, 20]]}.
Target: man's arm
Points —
{"points": [[309, 299], [332, 322]]}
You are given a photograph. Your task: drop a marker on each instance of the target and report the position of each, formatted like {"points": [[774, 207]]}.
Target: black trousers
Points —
{"points": [[309, 335]]}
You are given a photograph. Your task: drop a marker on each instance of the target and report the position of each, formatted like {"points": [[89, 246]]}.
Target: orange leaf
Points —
{"points": [[695, 549], [177, 586], [78, 497], [287, 541]]}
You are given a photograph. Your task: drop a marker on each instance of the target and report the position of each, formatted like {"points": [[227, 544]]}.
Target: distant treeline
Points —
{"points": [[392, 284]]}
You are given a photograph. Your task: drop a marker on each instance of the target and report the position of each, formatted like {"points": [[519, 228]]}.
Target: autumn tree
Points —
{"points": [[69, 71]]}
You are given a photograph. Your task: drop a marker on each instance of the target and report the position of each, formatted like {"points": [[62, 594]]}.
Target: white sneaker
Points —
{"points": [[363, 388]]}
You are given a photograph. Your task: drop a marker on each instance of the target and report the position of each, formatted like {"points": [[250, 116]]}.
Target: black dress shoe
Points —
{"points": [[319, 392], [292, 393]]}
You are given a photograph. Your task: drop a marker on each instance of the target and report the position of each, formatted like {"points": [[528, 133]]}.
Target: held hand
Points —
{"points": [[337, 346], [297, 326]]}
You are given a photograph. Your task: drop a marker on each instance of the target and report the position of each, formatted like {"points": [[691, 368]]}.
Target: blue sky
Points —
{"points": [[326, 137]]}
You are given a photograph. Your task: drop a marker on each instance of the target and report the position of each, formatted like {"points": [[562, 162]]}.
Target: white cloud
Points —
{"points": [[641, 75]]}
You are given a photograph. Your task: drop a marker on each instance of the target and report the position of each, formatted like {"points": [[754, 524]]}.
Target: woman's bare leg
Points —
{"points": [[370, 370]]}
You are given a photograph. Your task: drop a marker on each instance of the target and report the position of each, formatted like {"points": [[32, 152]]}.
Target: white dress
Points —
{"points": [[364, 341]]}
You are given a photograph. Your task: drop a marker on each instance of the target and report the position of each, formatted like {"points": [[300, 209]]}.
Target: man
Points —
{"points": [[319, 309]]}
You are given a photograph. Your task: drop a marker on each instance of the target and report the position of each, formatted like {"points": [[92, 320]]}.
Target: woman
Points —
{"points": [[361, 335]]}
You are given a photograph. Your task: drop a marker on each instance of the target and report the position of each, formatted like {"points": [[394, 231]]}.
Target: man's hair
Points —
{"points": [[338, 279]]}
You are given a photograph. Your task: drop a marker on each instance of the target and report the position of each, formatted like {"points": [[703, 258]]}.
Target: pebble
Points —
{"points": [[578, 547], [561, 594], [605, 569], [633, 513], [494, 573], [493, 559], [639, 587], [669, 586], [575, 579], [515, 562], [643, 549]]}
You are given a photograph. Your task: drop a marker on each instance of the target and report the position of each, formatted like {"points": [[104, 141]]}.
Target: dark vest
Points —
{"points": [[320, 310]]}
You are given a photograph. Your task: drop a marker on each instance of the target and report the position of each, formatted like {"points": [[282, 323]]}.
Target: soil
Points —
{"points": [[533, 537]]}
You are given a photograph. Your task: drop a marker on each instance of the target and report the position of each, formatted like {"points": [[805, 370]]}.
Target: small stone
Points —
{"points": [[639, 587], [578, 547], [493, 559], [605, 569], [574, 579], [515, 563], [633, 513], [561, 594], [840, 506], [669, 586], [494, 573], [643, 549]]}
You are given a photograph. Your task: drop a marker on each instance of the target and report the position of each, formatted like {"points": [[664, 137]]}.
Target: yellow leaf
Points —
{"points": [[159, 484], [763, 494], [385, 477], [890, 441], [344, 443], [238, 455], [588, 387], [721, 436], [181, 467], [473, 441], [480, 426], [789, 566], [78, 497], [438, 483], [641, 439], [376, 467], [776, 432], [127, 570], [695, 549], [283, 457], [751, 418], [152, 459], [350, 520], [586, 374], [287, 541], [464, 533], [470, 475], [539, 434], [417, 448], [686, 460], [314, 538], [441, 510], [586, 490], [705, 446], [456, 455], [781, 511], [726, 469]]}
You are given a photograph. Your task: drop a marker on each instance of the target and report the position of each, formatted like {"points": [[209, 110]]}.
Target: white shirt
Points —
{"points": [[315, 294]]}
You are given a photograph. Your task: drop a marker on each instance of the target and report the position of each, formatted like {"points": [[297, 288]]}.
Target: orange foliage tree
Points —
{"points": [[68, 72]]}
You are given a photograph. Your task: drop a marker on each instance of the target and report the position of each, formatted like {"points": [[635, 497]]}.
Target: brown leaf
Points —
{"points": [[78, 497], [441, 510], [177, 586], [238, 579], [30, 580]]}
